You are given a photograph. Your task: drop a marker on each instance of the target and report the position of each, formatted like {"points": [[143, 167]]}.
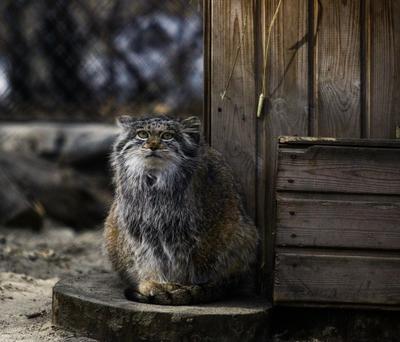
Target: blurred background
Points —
{"points": [[86, 59], [67, 69]]}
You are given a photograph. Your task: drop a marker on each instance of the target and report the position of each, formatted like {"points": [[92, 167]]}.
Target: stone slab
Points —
{"points": [[95, 306]]}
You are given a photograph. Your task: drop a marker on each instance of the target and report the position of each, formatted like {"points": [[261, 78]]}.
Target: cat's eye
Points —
{"points": [[167, 136], [142, 135]]}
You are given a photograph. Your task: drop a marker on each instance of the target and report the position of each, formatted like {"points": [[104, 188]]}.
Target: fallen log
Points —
{"points": [[70, 144], [15, 208], [65, 194]]}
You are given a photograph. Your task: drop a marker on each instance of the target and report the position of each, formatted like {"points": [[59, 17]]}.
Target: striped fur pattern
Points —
{"points": [[176, 232]]}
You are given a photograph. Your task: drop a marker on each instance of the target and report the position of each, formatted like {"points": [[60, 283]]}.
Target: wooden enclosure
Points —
{"points": [[337, 222], [333, 71]]}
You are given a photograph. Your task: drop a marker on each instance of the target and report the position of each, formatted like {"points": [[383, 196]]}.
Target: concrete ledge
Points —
{"points": [[95, 306]]}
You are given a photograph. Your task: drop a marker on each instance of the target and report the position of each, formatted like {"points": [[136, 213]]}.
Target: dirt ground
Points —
{"points": [[30, 264]]}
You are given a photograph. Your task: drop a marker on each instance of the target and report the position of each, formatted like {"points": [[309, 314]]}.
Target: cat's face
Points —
{"points": [[157, 143]]}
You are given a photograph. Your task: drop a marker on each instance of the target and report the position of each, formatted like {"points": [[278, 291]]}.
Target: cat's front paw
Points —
{"points": [[160, 293]]}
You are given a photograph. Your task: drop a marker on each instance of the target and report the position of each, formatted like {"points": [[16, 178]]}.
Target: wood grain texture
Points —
{"points": [[287, 72], [233, 124], [322, 276], [286, 108], [338, 81], [340, 169], [337, 69], [295, 140], [207, 69], [384, 68], [339, 221]]}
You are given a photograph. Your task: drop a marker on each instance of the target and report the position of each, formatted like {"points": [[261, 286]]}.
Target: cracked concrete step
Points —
{"points": [[95, 306]]}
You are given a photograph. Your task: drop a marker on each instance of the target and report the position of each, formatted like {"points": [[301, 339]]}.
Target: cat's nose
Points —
{"points": [[152, 145]]}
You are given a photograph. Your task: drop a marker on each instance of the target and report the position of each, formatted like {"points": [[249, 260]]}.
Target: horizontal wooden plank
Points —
{"points": [[344, 221], [296, 140], [339, 169], [330, 277], [340, 306]]}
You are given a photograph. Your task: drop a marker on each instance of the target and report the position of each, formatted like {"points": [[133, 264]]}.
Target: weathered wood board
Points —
{"points": [[285, 110], [382, 69], [337, 277], [347, 169], [337, 222], [233, 98], [337, 69], [342, 221]]}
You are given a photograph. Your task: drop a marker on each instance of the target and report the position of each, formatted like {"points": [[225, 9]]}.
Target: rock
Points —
{"points": [[94, 305]]}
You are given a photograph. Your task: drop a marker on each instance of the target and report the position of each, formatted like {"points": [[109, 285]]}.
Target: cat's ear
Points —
{"points": [[191, 125], [125, 121]]}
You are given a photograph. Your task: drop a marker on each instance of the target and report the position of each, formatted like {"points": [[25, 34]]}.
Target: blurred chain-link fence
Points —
{"points": [[93, 59]]}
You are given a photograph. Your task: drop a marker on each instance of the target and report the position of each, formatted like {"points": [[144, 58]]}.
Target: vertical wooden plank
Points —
{"points": [[384, 68], [233, 118], [365, 68], [287, 76], [337, 58], [286, 110], [207, 69]]}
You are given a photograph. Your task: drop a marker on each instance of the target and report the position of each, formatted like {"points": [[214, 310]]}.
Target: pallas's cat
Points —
{"points": [[176, 232]]}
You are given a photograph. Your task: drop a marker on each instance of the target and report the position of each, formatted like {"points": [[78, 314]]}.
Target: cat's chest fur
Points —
{"points": [[163, 227]]}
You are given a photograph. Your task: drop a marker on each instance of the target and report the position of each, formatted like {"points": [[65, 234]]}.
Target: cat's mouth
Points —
{"points": [[153, 155]]}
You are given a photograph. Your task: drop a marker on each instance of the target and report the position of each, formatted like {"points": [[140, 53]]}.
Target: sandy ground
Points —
{"points": [[30, 264]]}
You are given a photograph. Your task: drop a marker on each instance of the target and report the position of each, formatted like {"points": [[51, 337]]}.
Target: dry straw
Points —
{"points": [[261, 98]]}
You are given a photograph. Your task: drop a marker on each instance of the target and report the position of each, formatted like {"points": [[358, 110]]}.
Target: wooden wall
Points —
{"points": [[337, 222], [333, 71]]}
